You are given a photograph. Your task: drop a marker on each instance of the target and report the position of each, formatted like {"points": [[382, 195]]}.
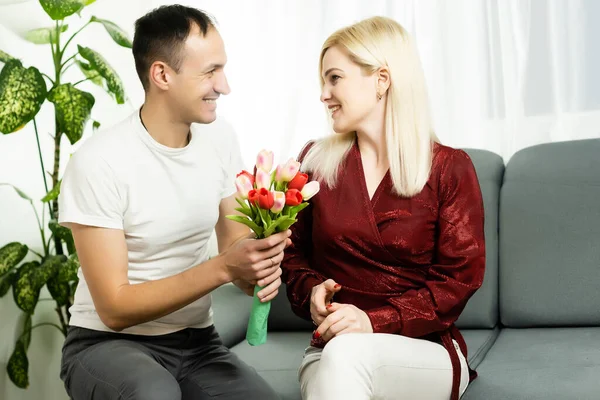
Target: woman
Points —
{"points": [[393, 246]]}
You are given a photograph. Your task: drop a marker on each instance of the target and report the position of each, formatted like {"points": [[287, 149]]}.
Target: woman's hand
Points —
{"points": [[342, 319], [320, 298]]}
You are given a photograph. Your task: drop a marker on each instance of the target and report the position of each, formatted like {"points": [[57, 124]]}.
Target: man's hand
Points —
{"points": [[268, 293], [342, 319], [256, 259], [320, 298]]}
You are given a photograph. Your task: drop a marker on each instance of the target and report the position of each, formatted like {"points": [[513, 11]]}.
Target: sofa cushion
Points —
{"points": [[538, 363], [282, 318], [550, 236], [277, 361], [231, 310], [482, 309]]}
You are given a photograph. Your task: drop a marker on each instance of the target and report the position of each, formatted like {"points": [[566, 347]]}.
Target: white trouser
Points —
{"points": [[367, 366]]}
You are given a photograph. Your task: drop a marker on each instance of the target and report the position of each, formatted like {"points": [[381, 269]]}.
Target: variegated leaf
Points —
{"points": [[53, 193], [6, 282], [18, 366], [116, 32], [97, 62], [11, 255], [63, 234], [44, 35], [60, 9], [68, 270], [25, 294], [5, 57], [22, 92], [73, 108], [90, 73]]}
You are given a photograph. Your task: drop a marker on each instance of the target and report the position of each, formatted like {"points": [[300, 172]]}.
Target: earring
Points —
{"points": [[379, 96]]}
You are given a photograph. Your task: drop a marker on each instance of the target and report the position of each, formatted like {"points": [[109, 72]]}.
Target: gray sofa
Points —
{"points": [[533, 329]]}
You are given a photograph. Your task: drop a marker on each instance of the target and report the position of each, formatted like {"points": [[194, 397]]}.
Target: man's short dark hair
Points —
{"points": [[160, 36]]}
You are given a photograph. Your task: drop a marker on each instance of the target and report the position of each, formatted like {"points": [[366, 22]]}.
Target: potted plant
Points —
{"points": [[23, 91]]}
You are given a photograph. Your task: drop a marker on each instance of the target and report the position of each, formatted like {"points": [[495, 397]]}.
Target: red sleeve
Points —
{"points": [[460, 259], [298, 275]]}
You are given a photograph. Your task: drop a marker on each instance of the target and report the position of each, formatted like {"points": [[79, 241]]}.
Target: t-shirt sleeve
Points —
{"points": [[90, 194], [233, 163]]}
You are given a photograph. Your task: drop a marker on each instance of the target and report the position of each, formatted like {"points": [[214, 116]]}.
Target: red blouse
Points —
{"points": [[410, 263]]}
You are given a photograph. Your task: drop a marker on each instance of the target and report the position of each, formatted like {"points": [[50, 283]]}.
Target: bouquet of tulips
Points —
{"points": [[270, 201]]}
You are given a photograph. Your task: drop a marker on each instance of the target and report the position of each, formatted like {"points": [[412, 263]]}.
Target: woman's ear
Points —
{"points": [[383, 80]]}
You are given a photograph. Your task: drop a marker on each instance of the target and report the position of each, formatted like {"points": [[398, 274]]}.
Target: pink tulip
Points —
{"points": [[243, 185], [264, 160], [310, 189], [279, 198], [286, 172], [263, 179]]}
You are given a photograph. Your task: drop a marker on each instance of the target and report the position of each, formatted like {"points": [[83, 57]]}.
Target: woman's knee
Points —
{"points": [[346, 350]]}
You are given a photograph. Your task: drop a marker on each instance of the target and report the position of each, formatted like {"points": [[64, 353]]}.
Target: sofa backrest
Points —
{"points": [[482, 309], [550, 236]]}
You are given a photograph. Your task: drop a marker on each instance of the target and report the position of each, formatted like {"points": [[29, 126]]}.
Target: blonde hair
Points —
{"points": [[374, 43]]}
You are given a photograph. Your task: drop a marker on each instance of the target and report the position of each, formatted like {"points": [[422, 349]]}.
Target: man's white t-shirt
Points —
{"points": [[166, 201]]}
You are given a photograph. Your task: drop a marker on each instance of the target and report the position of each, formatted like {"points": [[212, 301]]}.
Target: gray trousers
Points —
{"points": [[188, 364]]}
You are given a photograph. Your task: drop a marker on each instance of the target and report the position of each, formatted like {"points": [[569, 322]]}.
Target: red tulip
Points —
{"points": [[298, 181], [293, 197], [265, 199], [253, 196]]}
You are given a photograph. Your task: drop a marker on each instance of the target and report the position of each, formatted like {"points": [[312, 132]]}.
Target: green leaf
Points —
{"points": [[116, 33], [98, 63], [60, 9], [73, 108], [257, 229], [11, 255], [90, 73], [96, 125], [52, 194], [22, 92], [44, 35], [67, 272], [5, 57], [296, 209], [245, 211], [87, 2], [63, 234], [25, 293], [22, 194], [6, 282], [281, 221], [18, 366], [48, 270]]}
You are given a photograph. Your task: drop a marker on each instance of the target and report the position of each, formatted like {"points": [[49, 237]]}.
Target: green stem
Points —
{"points": [[57, 136], [36, 253], [62, 320], [81, 81], [68, 59], [50, 79], [73, 36], [42, 324]]}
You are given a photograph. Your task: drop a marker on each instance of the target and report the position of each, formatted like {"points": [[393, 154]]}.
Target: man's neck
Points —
{"points": [[163, 127]]}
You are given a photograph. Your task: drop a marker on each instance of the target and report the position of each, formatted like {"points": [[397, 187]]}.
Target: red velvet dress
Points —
{"points": [[410, 263]]}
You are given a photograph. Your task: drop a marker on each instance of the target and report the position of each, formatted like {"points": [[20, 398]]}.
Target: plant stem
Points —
{"points": [[81, 81], [68, 59], [50, 79], [61, 317], [36, 253], [71, 38], [57, 136], [43, 324]]}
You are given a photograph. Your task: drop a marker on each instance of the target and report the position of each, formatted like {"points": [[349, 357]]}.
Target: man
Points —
{"points": [[142, 199]]}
